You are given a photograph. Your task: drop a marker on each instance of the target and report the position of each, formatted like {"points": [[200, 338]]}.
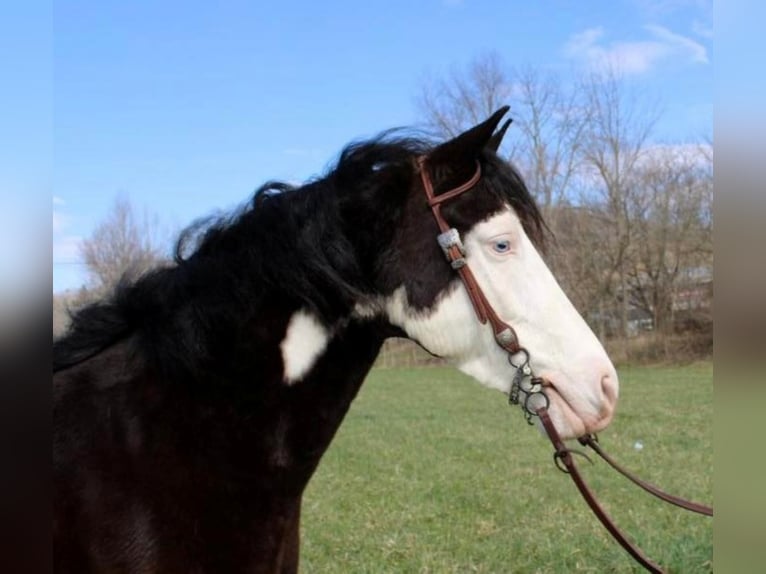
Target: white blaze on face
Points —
{"points": [[525, 294], [304, 342]]}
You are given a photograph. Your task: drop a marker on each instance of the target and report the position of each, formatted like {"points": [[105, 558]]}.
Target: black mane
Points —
{"points": [[303, 243], [287, 238]]}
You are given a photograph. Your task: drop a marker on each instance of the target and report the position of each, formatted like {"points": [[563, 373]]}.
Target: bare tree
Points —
{"points": [[671, 215], [467, 97], [615, 139], [552, 121], [549, 118], [123, 245], [582, 264]]}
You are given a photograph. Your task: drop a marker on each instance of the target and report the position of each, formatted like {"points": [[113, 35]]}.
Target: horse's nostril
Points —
{"points": [[609, 389]]}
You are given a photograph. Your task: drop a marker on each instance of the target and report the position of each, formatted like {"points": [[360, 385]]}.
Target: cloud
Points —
{"points": [[58, 201], [637, 57], [680, 45], [684, 154], [586, 179]]}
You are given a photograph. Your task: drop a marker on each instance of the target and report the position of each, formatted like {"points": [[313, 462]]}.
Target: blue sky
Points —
{"points": [[187, 107]]}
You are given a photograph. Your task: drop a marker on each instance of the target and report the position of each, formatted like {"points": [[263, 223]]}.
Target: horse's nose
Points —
{"points": [[609, 393]]}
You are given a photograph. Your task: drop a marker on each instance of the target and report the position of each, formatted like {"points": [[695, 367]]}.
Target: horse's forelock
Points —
{"points": [[506, 181]]}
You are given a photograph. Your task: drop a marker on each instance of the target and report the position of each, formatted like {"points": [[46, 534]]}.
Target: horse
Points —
{"points": [[193, 404]]}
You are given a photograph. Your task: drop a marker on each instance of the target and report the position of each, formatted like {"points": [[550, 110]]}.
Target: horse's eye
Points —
{"points": [[502, 246]]}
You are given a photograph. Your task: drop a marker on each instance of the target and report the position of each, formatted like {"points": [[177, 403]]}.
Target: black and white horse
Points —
{"points": [[192, 407]]}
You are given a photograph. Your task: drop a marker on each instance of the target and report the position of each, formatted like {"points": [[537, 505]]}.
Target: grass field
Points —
{"points": [[432, 473]]}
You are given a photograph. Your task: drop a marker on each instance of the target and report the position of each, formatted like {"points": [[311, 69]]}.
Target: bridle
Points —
{"points": [[535, 403], [452, 246]]}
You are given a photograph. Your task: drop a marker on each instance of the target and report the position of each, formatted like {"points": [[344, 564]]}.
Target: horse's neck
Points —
{"points": [[286, 432], [302, 380], [314, 406]]}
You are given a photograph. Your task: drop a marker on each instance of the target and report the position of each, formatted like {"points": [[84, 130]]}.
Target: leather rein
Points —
{"points": [[535, 402]]}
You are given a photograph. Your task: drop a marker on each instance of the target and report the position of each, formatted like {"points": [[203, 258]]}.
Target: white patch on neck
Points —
{"points": [[304, 342], [435, 328]]}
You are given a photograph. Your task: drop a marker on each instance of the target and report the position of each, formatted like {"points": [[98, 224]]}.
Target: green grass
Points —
{"points": [[430, 472]]}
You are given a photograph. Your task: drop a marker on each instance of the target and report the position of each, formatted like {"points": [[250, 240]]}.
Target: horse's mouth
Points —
{"points": [[573, 424]]}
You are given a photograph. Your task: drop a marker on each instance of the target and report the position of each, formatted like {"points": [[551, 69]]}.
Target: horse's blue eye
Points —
{"points": [[502, 246]]}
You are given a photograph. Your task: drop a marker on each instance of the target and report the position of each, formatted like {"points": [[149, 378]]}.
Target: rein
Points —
{"points": [[535, 402], [592, 442]]}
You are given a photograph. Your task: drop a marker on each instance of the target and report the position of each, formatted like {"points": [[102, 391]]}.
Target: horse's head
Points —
{"points": [[501, 230]]}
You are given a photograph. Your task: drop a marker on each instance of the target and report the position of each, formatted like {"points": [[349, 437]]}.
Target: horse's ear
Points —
{"points": [[467, 146], [497, 138]]}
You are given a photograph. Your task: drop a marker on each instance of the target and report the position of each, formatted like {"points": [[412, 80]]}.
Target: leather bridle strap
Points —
{"points": [[589, 440], [564, 454], [452, 246]]}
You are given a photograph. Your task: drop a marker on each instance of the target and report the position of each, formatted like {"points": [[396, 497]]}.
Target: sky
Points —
{"points": [[186, 107]]}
